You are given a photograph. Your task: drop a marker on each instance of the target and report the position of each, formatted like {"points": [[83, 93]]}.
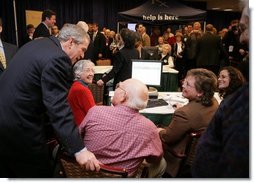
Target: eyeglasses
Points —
{"points": [[118, 86], [186, 83]]}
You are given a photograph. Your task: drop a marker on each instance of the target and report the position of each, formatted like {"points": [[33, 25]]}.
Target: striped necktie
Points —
{"points": [[2, 59]]}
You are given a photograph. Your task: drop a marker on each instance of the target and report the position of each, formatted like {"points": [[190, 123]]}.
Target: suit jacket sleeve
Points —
{"points": [[176, 129], [117, 65], [55, 81]]}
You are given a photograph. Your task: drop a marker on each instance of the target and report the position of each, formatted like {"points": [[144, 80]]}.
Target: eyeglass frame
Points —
{"points": [[186, 83], [118, 86]]}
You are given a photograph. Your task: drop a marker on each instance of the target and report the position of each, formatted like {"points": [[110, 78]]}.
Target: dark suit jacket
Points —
{"points": [[192, 116], [25, 39], [9, 51], [99, 46], [121, 65], [144, 54], [209, 50], [41, 31], [37, 81]]}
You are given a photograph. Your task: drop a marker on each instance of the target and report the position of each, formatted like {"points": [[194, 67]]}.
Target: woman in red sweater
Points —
{"points": [[80, 97]]}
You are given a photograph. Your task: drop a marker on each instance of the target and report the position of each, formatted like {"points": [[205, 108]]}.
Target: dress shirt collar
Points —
{"points": [[126, 108], [1, 44], [45, 25]]}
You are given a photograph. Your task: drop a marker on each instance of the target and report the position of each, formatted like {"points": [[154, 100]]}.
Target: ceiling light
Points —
{"points": [[216, 8], [229, 9]]}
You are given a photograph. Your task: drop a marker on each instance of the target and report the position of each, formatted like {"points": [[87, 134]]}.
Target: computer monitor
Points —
{"points": [[131, 26], [147, 71]]}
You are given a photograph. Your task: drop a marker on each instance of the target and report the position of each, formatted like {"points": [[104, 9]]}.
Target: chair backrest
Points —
{"points": [[190, 152], [102, 62], [98, 93], [71, 169]]}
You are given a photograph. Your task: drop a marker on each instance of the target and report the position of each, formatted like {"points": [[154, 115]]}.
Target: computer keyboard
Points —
{"points": [[156, 103]]}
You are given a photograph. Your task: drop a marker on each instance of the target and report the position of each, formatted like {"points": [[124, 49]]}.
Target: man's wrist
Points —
{"points": [[84, 149]]}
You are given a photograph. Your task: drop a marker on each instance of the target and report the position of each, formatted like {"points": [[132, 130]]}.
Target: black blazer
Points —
{"points": [[99, 46], [41, 31], [37, 81], [121, 65], [9, 51]]}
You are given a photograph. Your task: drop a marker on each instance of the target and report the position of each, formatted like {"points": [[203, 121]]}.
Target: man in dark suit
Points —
{"points": [[48, 21], [210, 50], [29, 34], [36, 82], [99, 44], [7, 51]]}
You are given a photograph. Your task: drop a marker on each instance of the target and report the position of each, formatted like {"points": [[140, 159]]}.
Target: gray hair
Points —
{"points": [[73, 31], [79, 67], [137, 94], [83, 25]]}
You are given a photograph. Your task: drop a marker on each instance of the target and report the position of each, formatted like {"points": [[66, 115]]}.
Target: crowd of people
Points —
{"points": [[48, 78]]}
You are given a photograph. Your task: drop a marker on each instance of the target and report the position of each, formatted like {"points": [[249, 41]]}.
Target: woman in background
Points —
{"points": [[229, 80], [122, 59], [80, 97], [165, 55]]}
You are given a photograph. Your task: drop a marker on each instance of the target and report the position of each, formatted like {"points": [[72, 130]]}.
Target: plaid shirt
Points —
{"points": [[120, 136]]}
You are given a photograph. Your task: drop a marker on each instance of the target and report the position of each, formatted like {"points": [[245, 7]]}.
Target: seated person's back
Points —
{"points": [[118, 135]]}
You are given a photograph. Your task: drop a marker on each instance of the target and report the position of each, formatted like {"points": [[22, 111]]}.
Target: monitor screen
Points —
{"points": [[131, 26], [147, 71]]}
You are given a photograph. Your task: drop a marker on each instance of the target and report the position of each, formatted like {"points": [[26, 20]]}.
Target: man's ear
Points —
{"points": [[123, 97], [1, 29]]}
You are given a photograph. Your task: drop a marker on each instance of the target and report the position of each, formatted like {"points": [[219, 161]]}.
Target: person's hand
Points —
{"points": [[159, 129], [100, 83], [177, 106], [87, 160], [242, 51]]}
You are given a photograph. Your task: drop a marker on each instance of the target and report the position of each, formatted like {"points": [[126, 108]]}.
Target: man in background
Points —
{"points": [[29, 34], [48, 21]]}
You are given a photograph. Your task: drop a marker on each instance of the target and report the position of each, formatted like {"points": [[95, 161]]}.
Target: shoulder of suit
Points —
{"points": [[9, 45]]}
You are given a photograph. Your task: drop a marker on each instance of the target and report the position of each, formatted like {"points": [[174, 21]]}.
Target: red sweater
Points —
{"points": [[81, 100]]}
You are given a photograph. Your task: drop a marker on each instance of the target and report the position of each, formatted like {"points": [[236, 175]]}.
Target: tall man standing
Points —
{"points": [[36, 82]]}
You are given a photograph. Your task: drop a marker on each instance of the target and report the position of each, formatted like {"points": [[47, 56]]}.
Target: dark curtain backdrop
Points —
{"points": [[104, 12]]}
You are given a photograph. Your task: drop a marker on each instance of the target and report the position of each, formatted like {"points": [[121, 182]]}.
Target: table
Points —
{"points": [[100, 70], [169, 80], [161, 116]]}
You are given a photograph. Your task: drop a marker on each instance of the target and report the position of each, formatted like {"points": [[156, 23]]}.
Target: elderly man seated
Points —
{"points": [[119, 136]]}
